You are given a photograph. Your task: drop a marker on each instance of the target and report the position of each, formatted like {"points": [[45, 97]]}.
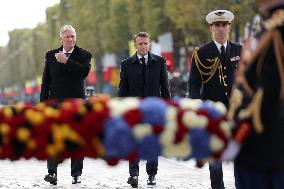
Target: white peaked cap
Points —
{"points": [[219, 16]]}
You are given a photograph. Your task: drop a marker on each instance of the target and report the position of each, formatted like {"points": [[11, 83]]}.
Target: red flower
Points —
{"points": [[182, 130], [112, 161], [40, 154], [27, 154], [132, 156], [132, 117], [7, 152], [158, 129], [214, 127]]}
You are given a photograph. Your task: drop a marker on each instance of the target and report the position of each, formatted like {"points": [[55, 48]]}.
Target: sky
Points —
{"points": [[21, 14]]}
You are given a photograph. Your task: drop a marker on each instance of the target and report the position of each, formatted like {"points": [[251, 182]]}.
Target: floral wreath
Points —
{"points": [[119, 128]]}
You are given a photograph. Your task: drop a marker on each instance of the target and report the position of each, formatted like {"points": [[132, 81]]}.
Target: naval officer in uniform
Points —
{"points": [[212, 72]]}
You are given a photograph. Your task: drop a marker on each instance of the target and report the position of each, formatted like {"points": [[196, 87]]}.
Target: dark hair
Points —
{"points": [[141, 34]]}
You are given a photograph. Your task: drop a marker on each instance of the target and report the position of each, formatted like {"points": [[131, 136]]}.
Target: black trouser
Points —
{"points": [[76, 166], [151, 167], [216, 175], [259, 178]]}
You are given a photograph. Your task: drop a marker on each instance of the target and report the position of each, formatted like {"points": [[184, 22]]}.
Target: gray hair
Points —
{"points": [[66, 28]]}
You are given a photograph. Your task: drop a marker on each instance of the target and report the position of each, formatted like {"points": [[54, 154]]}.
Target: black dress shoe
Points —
{"points": [[133, 181], [51, 178], [76, 180], [151, 180]]}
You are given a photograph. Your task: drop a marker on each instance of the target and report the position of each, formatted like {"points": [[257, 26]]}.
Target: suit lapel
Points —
{"points": [[215, 51], [75, 52], [134, 58], [151, 59], [60, 49]]}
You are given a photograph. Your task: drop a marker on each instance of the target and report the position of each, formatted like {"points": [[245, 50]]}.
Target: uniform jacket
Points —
{"points": [[214, 89], [61, 81], [265, 150], [156, 78]]}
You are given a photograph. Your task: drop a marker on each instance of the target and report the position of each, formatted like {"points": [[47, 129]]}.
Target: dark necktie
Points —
{"points": [[143, 69], [223, 54], [67, 54]]}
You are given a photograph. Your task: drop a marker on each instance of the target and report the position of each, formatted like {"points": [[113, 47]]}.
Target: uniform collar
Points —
{"points": [[218, 45]]}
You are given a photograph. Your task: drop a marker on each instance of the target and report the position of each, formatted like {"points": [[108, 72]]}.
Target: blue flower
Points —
{"points": [[209, 106], [154, 111], [118, 139], [149, 148], [199, 140], [176, 99]]}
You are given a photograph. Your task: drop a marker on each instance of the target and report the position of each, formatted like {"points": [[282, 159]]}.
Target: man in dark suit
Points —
{"points": [[143, 75], [63, 77], [212, 72], [260, 88]]}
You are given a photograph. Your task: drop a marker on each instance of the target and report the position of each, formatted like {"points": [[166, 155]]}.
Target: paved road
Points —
{"points": [[97, 174]]}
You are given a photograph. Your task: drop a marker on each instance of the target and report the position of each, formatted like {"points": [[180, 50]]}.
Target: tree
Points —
{"points": [[115, 27], [107, 25]]}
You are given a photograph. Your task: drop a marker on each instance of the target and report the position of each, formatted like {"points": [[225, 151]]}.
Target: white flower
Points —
{"points": [[215, 143], [168, 135], [181, 150], [226, 127], [191, 120], [118, 106], [220, 107], [187, 103], [142, 130], [171, 114]]}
